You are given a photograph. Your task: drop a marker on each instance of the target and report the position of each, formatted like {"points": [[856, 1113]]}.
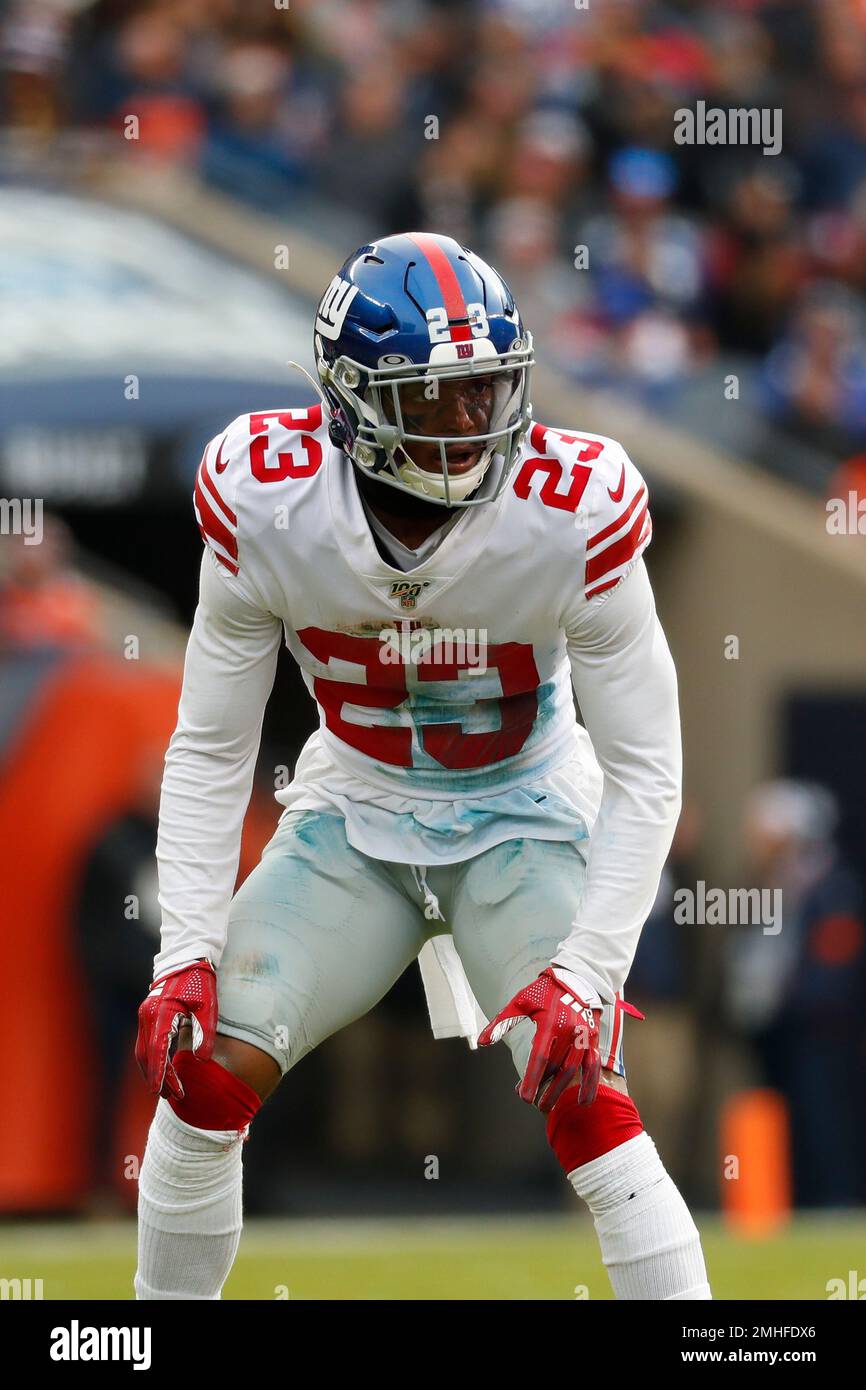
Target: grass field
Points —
{"points": [[544, 1258]]}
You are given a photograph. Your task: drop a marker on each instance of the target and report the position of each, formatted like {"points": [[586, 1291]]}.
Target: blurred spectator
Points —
{"points": [[815, 378], [661, 1052], [35, 38], [372, 148], [268, 125], [117, 921], [43, 603], [758, 263], [799, 995], [645, 253], [649, 274], [523, 232]]}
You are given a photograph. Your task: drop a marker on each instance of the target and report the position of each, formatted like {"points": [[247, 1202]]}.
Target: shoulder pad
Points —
{"points": [[593, 478], [237, 467], [214, 512], [619, 522]]}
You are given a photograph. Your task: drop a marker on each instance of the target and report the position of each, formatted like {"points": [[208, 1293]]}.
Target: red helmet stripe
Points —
{"points": [[452, 295]]}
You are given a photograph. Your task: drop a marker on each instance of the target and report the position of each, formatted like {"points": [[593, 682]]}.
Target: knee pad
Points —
{"points": [[579, 1133], [214, 1098]]}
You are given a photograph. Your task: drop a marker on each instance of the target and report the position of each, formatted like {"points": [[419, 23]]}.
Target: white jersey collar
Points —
{"points": [[460, 545]]}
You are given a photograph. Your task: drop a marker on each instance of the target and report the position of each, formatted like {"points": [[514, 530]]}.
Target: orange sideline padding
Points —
{"points": [[70, 774], [756, 1162]]}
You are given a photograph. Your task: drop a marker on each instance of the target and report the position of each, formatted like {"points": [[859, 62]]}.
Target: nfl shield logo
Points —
{"points": [[406, 592]]}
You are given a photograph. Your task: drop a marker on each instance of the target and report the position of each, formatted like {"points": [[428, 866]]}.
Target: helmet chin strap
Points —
{"points": [[427, 484], [433, 484]]}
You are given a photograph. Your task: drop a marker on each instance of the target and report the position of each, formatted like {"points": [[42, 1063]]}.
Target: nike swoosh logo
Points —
{"points": [[220, 467], [617, 492]]}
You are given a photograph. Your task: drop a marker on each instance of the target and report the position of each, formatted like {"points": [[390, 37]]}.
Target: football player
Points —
{"points": [[444, 570]]}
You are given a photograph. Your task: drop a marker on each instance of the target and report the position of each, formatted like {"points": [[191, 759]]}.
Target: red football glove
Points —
{"points": [[565, 1043], [187, 993]]}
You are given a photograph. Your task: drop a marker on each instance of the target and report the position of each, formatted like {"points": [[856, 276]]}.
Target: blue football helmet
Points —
{"points": [[404, 317]]}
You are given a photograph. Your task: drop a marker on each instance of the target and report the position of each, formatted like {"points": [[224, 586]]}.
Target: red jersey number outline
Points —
{"points": [[445, 742], [580, 475], [285, 466]]}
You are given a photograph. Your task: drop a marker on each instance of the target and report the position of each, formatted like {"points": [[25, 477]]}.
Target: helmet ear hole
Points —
{"points": [[365, 455], [338, 434]]}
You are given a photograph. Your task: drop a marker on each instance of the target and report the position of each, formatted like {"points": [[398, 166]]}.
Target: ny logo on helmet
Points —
{"points": [[334, 307]]}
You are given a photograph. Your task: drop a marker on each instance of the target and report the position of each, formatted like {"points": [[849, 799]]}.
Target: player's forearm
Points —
{"points": [[204, 800], [627, 689], [629, 845], [228, 674]]}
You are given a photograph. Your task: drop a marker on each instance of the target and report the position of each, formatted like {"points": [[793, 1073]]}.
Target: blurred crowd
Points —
{"points": [[529, 129]]}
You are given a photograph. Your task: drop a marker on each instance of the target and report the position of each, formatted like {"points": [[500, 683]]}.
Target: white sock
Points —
{"points": [[189, 1209], [649, 1243]]}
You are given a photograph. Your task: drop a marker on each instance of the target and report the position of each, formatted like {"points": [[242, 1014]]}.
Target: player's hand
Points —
{"points": [[565, 1042], [188, 993]]}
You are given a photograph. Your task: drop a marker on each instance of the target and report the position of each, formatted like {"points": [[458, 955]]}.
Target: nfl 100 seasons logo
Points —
{"points": [[407, 592]]}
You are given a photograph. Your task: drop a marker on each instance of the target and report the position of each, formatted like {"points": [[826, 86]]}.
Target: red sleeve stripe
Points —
{"points": [[600, 556], [609, 563], [215, 532], [208, 482], [600, 588], [620, 521], [224, 561]]}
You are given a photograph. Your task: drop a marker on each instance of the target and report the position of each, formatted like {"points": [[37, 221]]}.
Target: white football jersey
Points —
{"points": [[451, 680], [447, 718]]}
